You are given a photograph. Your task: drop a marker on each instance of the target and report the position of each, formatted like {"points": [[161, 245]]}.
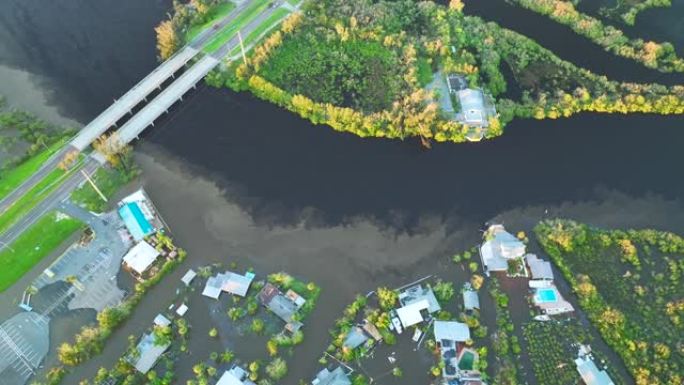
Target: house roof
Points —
{"points": [[236, 284], [472, 106], [140, 257], [502, 246], [539, 268], [451, 331], [235, 376], [149, 353], [335, 377], [271, 297], [188, 277], [160, 320], [418, 293], [212, 288], [355, 338], [591, 374], [471, 300], [182, 309], [410, 314], [135, 221]]}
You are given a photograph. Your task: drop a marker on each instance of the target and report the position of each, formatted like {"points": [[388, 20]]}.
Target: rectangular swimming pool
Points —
{"points": [[545, 295]]}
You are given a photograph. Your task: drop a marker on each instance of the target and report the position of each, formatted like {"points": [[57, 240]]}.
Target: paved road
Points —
{"points": [[50, 202], [31, 181]]}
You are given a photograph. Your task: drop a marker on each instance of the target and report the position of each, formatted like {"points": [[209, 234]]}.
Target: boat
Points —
{"points": [[396, 322], [542, 317], [417, 334]]}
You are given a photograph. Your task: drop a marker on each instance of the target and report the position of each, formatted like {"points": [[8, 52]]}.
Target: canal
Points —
{"points": [[237, 178]]}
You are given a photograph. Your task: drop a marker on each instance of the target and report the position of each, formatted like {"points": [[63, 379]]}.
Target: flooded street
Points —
{"points": [[237, 179]]}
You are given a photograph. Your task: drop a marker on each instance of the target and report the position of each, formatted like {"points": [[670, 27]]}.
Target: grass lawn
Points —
{"points": [[276, 17], [29, 200], [215, 14], [33, 245], [424, 72], [108, 180], [231, 29], [294, 2], [11, 179]]}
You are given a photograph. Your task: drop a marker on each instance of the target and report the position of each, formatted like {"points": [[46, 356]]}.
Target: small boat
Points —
{"points": [[542, 317]]}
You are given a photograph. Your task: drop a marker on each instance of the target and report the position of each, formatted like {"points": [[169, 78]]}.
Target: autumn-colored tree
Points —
{"points": [[167, 39], [68, 160]]}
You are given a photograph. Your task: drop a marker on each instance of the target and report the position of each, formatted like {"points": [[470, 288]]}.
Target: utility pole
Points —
{"points": [[242, 47], [97, 190]]}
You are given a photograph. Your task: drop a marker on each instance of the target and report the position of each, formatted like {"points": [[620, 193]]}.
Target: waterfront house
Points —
{"points": [[285, 308], [355, 338], [334, 377], [451, 337], [539, 269], [148, 353], [499, 247], [228, 282], [235, 376], [412, 314], [419, 293], [139, 258], [591, 375]]}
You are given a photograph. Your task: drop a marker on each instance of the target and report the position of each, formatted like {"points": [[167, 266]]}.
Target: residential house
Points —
{"points": [[451, 337], [235, 376], [285, 308], [334, 377], [499, 247], [591, 375], [355, 338], [470, 300], [228, 282], [140, 257], [539, 269], [148, 353]]}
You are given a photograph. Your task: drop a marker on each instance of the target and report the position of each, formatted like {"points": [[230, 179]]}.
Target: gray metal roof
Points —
{"points": [[471, 300], [355, 338], [539, 268], [335, 377]]}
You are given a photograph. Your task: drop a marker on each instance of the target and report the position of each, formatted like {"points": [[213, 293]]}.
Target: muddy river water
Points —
{"points": [[239, 179]]}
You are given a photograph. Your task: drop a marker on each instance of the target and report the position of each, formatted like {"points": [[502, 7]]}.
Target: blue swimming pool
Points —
{"points": [[545, 295]]}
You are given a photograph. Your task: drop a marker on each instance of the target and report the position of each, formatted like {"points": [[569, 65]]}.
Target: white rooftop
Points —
{"points": [[539, 268], [409, 315], [182, 309], [160, 320], [188, 277], [591, 374], [451, 331], [140, 257], [501, 247]]}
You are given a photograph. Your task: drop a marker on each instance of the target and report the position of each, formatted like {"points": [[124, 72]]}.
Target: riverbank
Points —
{"points": [[551, 88]]}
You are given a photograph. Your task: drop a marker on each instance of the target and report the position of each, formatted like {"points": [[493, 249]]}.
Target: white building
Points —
{"points": [[140, 257]]}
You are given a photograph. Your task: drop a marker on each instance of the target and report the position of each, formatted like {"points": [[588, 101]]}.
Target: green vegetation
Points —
{"points": [[214, 15], [506, 345], [341, 85], [31, 198], [12, 177], [230, 30], [108, 180], [660, 56], [552, 348], [629, 284], [33, 245], [627, 10], [351, 73]]}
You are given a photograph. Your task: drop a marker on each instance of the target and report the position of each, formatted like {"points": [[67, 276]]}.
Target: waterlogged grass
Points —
{"points": [[276, 17], [215, 14], [33, 245], [230, 30], [11, 179]]}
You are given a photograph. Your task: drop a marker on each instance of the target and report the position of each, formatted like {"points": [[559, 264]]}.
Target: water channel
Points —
{"points": [[237, 178]]}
